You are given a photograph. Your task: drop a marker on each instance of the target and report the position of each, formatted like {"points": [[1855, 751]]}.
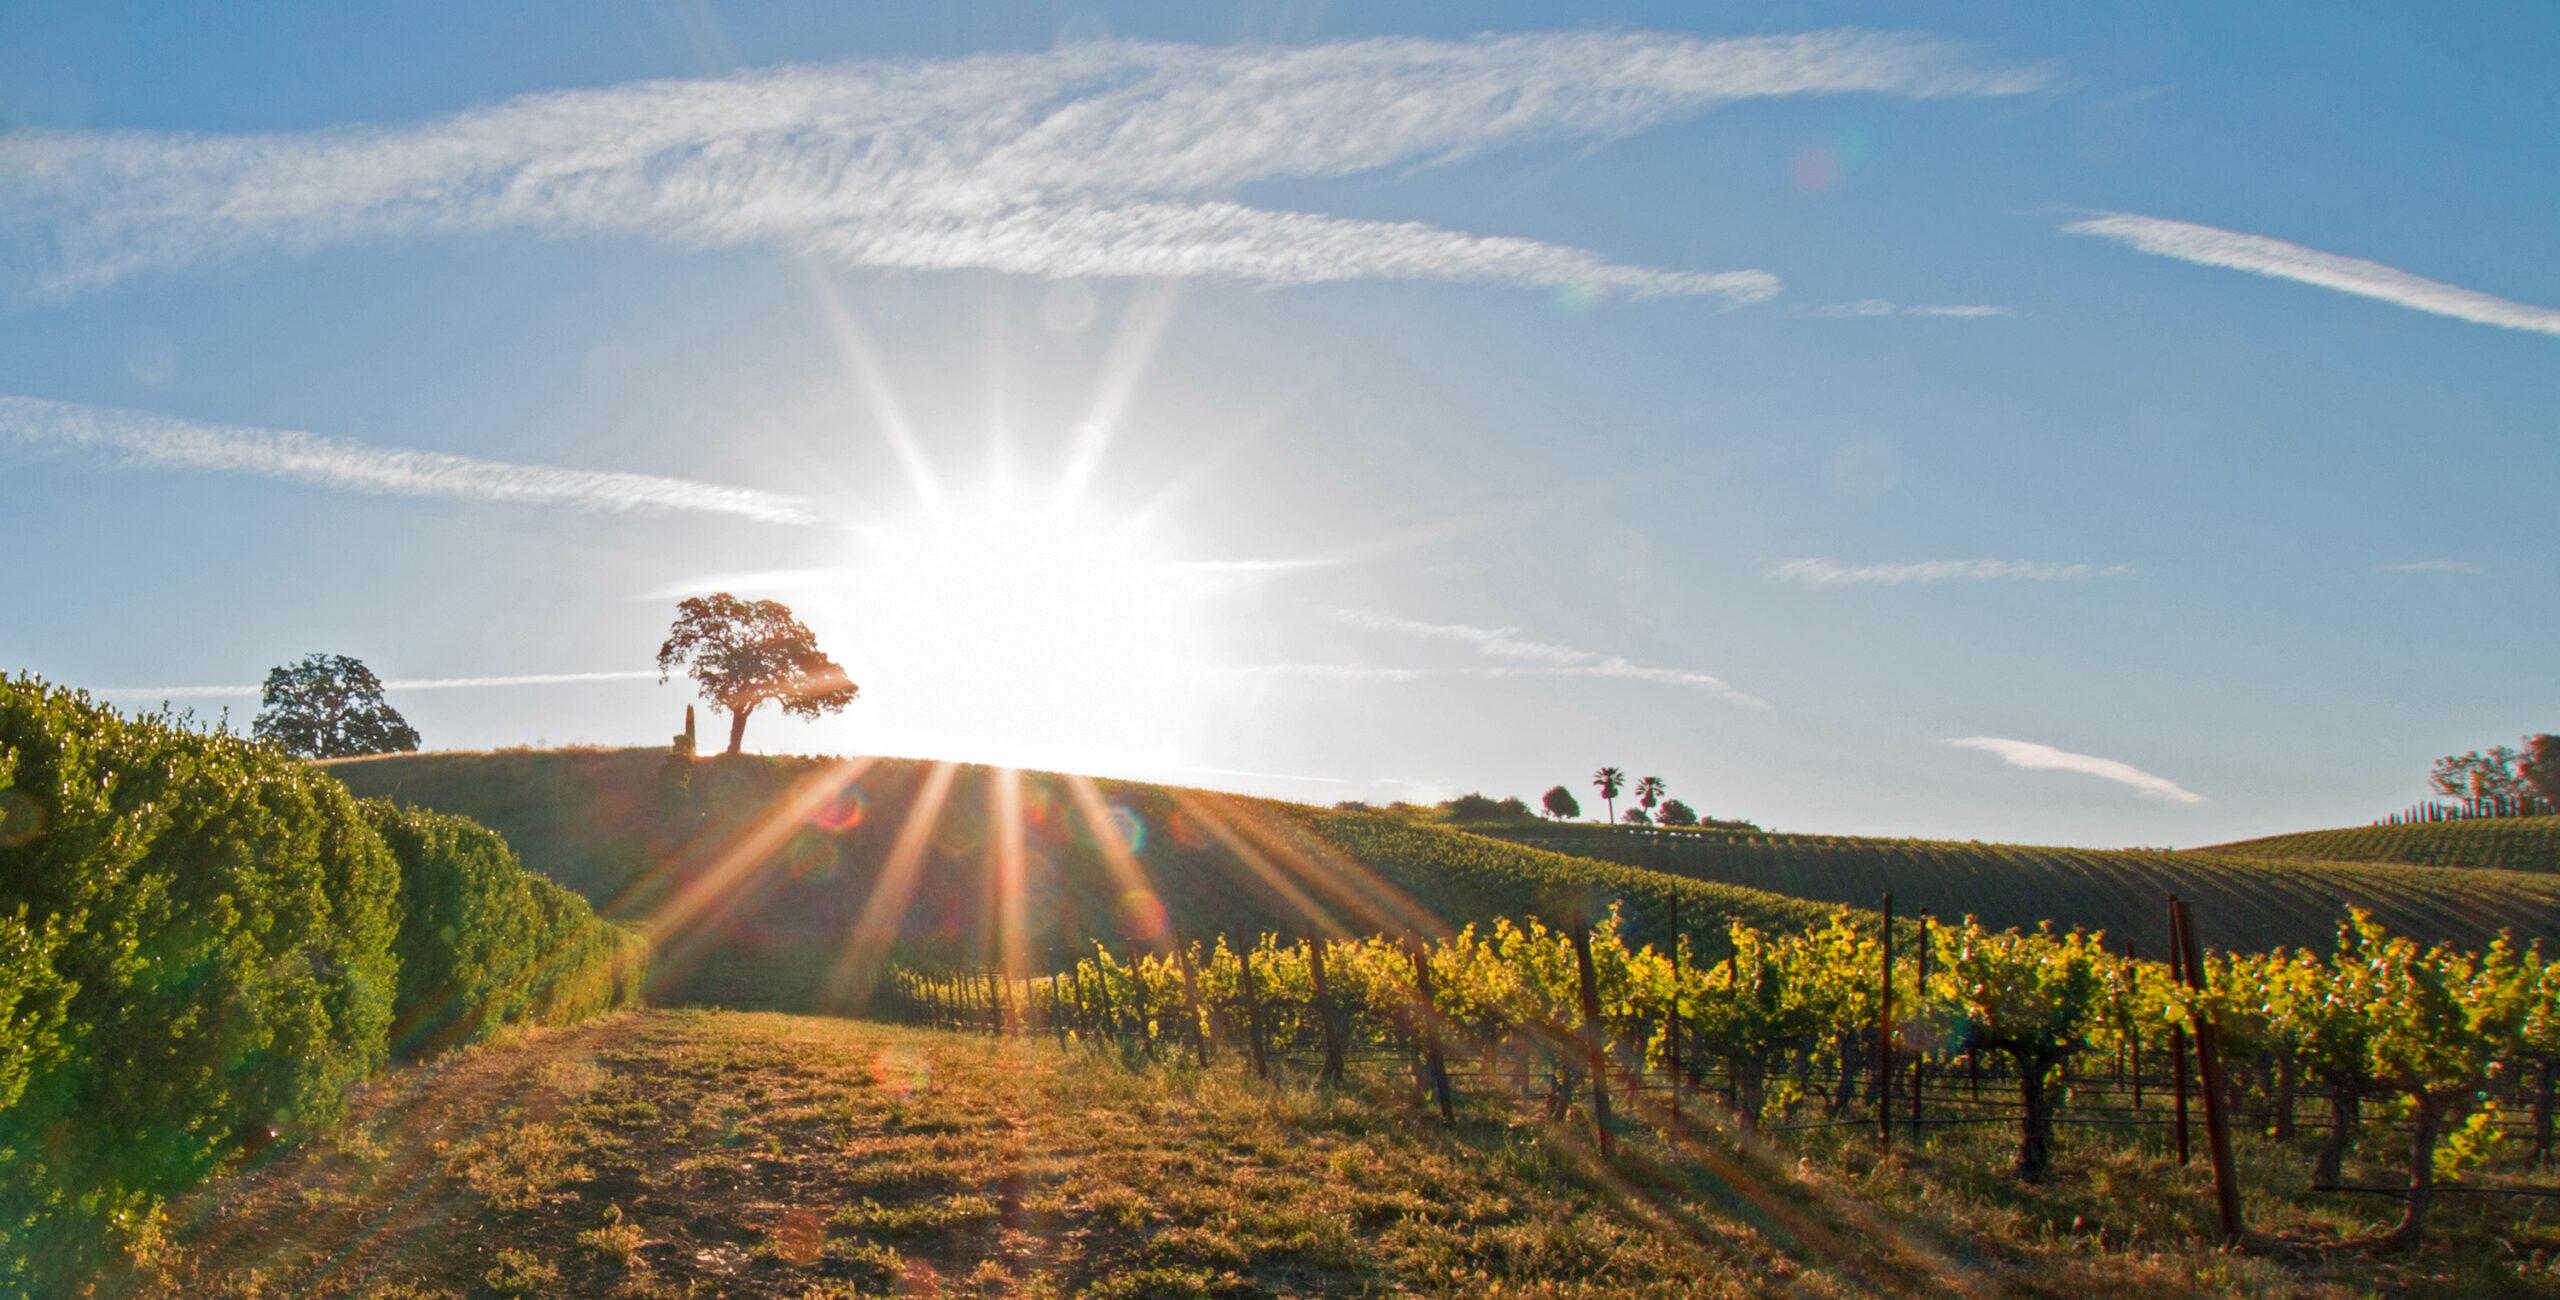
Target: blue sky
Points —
{"points": [[2063, 423]]}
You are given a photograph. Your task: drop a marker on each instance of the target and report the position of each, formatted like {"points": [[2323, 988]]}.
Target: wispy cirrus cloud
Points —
{"points": [[2029, 754], [1118, 160], [1534, 658], [1870, 307], [1825, 573], [407, 684], [2430, 566], [2261, 255], [140, 440]]}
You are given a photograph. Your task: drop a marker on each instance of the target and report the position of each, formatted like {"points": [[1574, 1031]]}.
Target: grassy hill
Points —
{"points": [[668, 1154], [753, 873], [2495, 843], [2241, 900]]}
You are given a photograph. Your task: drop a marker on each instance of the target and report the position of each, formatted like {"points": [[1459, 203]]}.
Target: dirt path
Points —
{"points": [[667, 1154]]}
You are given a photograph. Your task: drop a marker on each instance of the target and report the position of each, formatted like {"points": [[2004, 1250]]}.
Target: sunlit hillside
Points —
{"points": [[768, 882], [2502, 843], [799, 847]]}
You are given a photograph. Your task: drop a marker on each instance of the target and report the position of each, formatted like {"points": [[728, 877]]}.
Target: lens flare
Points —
{"points": [[842, 813], [1142, 915]]}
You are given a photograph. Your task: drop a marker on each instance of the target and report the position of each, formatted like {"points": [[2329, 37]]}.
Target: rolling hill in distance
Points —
{"points": [[755, 872], [764, 878], [2496, 843]]}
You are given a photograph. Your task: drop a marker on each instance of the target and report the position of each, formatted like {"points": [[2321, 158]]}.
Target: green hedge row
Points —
{"points": [[204, 943]]}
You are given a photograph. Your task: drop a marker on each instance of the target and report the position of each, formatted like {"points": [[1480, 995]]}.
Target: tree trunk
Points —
{"points": [[2343, 1107], [2426, 1126], [1849, 1054], [2035, 1119], [738, 727]]}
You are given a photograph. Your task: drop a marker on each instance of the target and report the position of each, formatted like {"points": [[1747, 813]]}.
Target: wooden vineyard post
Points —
{"points": [[1884, 1034], [1252, 1008], [2178, 1036], [1137, 1013], [1191, 1025], [1428, 1012], [2133, 1039], [1594, 1055], [2217, 1124], [1671, 1026], [1327, 1015], [1057, 1012], [1920, 1060], [996, 999]]}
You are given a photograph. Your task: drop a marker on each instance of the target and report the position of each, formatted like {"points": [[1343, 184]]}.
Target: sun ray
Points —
{"points": [[1133, 346], [1138, 900], [862, 359], [1008, 860], [686, 925], [857, 969]]}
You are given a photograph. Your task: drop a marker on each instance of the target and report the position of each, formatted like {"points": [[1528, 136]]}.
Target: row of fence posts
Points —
{"points": [[957, 999]]}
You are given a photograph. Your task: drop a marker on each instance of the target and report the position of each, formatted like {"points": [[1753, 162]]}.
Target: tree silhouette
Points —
{"points": [[745, 653], [329, 706], [1560, 804], [1610, 781], [2541, 767], [1649, 791], [1676, 813]]}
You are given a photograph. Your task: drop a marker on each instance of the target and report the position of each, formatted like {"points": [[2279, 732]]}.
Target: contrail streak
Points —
{"points": [[2260, 255], [142, 440]]}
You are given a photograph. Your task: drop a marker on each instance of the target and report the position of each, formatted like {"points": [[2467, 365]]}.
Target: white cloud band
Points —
{"points": [[142, 440], [411, 684], [1115, 161], [2260, 255], [2028, 754], [1541, 659], [1824, 573]]}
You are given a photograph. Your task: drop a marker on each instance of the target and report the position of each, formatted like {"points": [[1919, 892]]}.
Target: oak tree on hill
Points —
{"points": [[1559, 803], [746, 653], [2541, 767], [1676, 813], [329, 706]]}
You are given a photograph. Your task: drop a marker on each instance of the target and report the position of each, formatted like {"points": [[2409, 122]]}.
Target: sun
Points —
{"points": [[1027, 630]]}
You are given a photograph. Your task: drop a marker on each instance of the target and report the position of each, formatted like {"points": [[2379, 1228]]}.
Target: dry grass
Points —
{"points": [[674, 1154]]}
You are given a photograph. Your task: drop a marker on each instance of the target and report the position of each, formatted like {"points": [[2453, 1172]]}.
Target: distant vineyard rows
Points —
{"points": [[2246, 900], [2498, 843]]}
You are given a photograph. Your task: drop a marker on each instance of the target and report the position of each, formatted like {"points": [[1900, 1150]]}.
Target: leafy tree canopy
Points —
{"points": [[329, 706], [2479, 776], [745, 653], [1676, 813], [1560, 803]]}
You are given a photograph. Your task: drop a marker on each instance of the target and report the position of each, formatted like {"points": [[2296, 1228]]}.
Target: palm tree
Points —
{"points": [[1610, 781], [1649, 791]]}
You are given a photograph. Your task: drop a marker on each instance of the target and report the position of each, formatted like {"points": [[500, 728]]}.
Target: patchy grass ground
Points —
{"points": [[681, 1154]]}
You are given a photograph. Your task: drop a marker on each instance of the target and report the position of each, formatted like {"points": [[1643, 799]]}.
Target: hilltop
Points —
{"points": [[2242, 900], [753, 873], [2501, 843], [613, 825]]}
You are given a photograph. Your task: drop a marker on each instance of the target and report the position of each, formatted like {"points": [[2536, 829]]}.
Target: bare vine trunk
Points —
{"points": [[2035, 1118], [2426, 1126], [2344, 1104]]}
